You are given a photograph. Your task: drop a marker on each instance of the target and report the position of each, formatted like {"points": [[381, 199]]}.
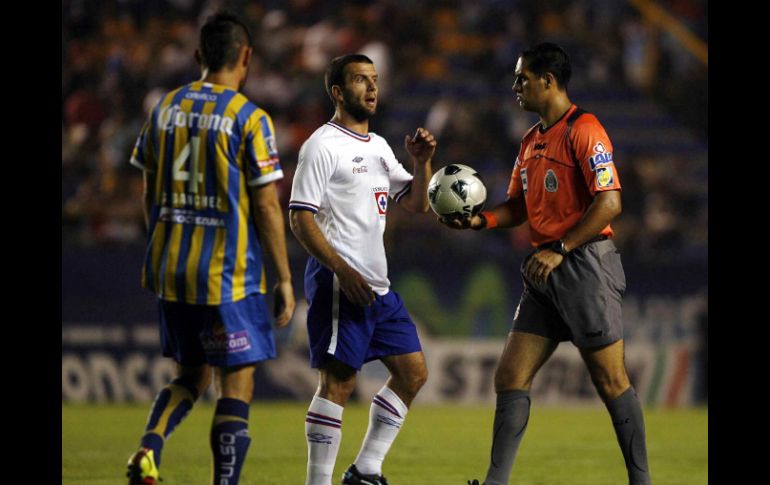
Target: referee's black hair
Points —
{"points": [[222, 37], [335, 73], [549, 57]]}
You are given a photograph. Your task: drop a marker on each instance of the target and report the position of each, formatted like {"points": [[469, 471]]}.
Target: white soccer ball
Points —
{"points": [[456, 191]]}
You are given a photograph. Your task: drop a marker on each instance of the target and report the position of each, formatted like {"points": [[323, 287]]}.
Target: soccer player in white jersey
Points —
{"points": [[339, 201]]}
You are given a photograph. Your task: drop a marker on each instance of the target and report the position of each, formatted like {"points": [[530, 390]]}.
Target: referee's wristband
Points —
{"points": [[488, 219]]}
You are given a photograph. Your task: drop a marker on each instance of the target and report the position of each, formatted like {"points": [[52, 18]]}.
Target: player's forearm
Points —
{"points": [[417, 198], [268, 218], [511, 213], [605, 207], [306, 231]]}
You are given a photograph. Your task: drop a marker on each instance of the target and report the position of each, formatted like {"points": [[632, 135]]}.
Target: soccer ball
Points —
{"points": [[456, 191]]}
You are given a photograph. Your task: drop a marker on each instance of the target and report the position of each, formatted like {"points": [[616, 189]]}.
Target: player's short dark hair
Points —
{"points": [[222, 37], [549, 57], [335, 73]]}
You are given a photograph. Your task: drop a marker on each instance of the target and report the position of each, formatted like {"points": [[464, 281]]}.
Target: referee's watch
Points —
{"points": [[558, 247]]}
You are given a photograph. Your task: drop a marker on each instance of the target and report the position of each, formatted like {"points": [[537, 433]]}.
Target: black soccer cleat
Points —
{"points": [[354, 477], [473, 482]]}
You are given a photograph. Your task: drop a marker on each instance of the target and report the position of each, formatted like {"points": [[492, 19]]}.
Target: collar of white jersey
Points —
{"points": [[355, 135]]}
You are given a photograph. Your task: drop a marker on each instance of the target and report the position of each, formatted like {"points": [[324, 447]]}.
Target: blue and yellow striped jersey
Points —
{"points": [[205, 144]]}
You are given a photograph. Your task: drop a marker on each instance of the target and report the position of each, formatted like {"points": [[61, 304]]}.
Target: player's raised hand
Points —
{"points": [[421, 146], [355, 287], [283, 293]]}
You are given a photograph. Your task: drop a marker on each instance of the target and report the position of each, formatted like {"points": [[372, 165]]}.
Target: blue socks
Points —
{"points": [[229, 439], [171, 406]]}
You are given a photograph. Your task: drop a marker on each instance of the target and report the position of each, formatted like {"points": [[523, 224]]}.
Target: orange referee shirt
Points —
{"points": [[559, 171]]}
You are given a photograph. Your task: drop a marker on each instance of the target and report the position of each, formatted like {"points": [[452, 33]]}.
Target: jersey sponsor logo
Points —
{"points": [[361, 169], [358, 159], [382, 202], [540, 146], [551, 182], [267, 163], [601, 157], [384, 164], [201, 96], [523, 174], [170, 117], [182, 216], [272, 147], [227, 462], [604, 177], [219, 341]]}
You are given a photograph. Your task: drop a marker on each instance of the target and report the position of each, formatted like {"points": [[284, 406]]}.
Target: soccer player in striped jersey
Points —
{"points": [[339, 201], [210, 165]]}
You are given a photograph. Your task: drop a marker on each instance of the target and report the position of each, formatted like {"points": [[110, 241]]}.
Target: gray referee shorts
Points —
{"points": [[581, 300]]}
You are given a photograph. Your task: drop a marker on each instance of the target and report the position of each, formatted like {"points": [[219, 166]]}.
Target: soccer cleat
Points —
{"points": [[354, 477], [142, 469], [473, 482]]}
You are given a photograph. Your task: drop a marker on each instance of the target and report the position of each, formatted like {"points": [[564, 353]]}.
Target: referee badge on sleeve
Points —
{"points": [[604, 177]]}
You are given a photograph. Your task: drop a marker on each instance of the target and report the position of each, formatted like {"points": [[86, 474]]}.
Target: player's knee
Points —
{"points": [[337, 391], [508, 379], [410, 383], [610, 384], [418, 379]]}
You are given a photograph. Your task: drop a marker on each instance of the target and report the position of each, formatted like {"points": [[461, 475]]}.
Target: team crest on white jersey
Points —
{"points": [[382, 202]]}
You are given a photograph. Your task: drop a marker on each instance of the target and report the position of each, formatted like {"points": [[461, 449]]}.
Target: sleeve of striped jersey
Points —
{"points": [[261, 150], [314, 170], [593, 151], [400, 178], [142, 156]]}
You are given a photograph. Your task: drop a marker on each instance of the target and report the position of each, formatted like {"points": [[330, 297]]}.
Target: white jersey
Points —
{"points": [[345, 179]]}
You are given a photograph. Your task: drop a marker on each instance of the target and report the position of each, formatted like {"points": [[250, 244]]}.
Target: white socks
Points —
{"points": [[323, 431], [385, 419]]}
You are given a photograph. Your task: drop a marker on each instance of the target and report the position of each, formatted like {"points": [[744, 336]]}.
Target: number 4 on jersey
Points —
{"points": [[190, 151]]}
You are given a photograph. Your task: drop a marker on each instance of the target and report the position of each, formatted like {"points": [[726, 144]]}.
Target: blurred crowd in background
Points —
{"points": [[444, 65]]}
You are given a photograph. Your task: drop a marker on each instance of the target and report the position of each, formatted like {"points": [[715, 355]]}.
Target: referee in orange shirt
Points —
{"points": [[566, 185]]}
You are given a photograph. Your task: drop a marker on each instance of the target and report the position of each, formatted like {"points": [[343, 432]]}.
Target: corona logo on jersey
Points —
{"points": [[171, 116]]}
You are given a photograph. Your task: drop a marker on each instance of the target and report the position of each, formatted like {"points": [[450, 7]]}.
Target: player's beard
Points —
{"points": [[356, 109]]}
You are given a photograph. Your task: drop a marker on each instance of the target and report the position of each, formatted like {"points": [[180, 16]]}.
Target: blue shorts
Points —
{"points": [[225, 335], [350, 333]]}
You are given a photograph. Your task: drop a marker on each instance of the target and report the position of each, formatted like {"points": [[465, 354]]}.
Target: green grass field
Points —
{"points": [[438, 445]]}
